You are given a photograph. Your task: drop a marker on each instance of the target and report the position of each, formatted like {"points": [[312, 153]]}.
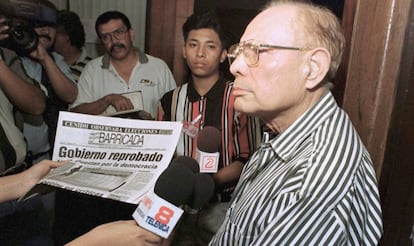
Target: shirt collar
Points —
{"points": [[84, 55], [212, 95], [142, 57], [286, 143]]}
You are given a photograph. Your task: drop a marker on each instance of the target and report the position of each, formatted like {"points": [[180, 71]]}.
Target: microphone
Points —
{"points": [[159, 212], [203, 191], [208, 149], [175, 184], [187, 162]]}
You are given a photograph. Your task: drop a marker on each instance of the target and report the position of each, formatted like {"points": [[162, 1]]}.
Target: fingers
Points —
{"points": [[122, 103], [54, 164], [3, 29]]}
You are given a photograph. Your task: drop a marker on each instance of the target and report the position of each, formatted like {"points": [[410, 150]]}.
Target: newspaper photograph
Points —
{"points": [[110, 157]]}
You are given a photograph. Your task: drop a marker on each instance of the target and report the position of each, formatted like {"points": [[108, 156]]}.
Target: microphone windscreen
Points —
{"points": [[203, 190], [186, 162], [209, 140], [175, 185]]}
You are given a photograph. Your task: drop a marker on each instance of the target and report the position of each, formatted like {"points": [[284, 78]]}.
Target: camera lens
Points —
{"points": [[23, 39]]}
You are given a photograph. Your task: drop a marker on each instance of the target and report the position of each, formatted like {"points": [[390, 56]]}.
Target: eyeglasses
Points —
{"points": [[117, 34], [251, 50]]}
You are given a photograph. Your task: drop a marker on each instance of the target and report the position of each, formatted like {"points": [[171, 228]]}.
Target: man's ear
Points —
{"points": [[223, 56], [132, 34], [184, 53], [320, 60]]}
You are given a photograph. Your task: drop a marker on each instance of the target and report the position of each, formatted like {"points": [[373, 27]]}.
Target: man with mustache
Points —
{"points": [[122, 69]]}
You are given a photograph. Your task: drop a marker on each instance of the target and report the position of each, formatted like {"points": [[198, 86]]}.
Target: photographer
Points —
{"points": [[20, 222], [54, 76], [16, 92]]}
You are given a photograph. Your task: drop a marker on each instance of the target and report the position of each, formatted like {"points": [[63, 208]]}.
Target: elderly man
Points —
{"points": [[312, 180]]}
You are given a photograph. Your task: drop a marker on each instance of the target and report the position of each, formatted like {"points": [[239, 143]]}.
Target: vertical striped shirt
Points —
{"points": [[313, 184], [80, 64]]}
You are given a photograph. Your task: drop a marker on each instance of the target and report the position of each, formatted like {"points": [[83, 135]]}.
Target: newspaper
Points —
{"points": [[111, 157]]}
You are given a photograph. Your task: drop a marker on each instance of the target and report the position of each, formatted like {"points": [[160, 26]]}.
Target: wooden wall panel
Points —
{"points": [[161, 28], [397, 176], [379, 96], [373, 68], [184, 10], [348, 16], [164, 38]]}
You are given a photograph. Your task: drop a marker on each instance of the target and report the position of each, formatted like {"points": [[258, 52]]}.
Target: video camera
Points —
{"points": [[22, 16]]}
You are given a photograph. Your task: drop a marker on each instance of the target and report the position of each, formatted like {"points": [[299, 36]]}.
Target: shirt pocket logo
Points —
{"points": [[147, 82]]}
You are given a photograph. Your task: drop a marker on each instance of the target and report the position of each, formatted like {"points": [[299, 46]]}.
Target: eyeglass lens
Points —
{"points": [[117, 34], [250, 52]]}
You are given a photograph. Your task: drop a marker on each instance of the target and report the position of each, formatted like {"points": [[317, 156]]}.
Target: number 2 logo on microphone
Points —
{"points": [[208, 162]]}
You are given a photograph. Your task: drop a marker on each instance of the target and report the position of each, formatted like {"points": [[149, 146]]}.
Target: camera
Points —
{"points": [[22, 16]]}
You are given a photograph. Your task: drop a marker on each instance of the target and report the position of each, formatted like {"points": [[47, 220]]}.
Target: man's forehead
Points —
{"points": [[203, 33], [275, 23], [111, 25]]}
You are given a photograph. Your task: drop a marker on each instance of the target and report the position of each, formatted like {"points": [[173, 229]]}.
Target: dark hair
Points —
{"points": [[48, 4], [111, 15], [209, 20], [70, 23]]}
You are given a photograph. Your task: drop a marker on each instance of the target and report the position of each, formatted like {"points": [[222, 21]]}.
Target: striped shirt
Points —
{"points": [[240, 134], [313, 184], [80, 64]]}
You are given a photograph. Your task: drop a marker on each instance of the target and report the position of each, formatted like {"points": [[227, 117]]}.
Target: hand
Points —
{"points": [[40, 53], [39, 170], [119, 102], [3, 29], [16, 185], [123, 233]]}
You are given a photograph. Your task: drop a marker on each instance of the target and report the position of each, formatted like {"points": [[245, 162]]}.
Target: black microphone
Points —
{"points": [[187, 162], [208, 149], [209, 139], [203, 191], [159, 211], [175, 184]]}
